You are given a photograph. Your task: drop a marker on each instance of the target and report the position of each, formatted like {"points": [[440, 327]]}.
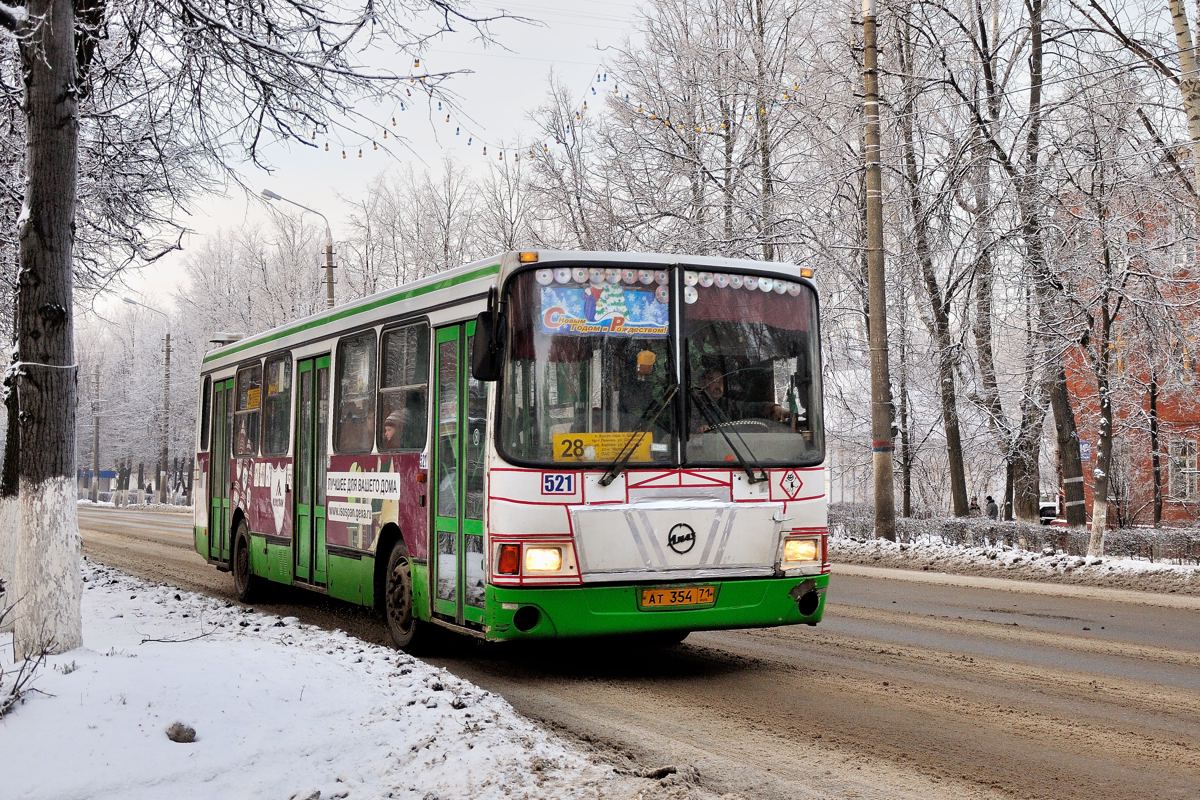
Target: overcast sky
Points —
{"points": [[495, 98]]}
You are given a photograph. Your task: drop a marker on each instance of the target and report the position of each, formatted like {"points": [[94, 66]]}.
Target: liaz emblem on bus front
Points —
{"points": [[681, 538]]}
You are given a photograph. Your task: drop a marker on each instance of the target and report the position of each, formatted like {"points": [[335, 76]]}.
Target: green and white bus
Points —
{"points": [[541, 444]]}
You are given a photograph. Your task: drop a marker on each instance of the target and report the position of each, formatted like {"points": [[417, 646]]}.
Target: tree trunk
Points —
{"points": [[1189, 81], [939, 304], [989, 393], [1108, 315], [8, 506], [1026, 479], [767, 189], [1068, 452], [48, 582], [1155, 449], [1010, 471], [1104, 450], [906, 454]]}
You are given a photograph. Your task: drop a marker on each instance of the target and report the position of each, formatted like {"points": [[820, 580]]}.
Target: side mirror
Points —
{"points": [[487, 351]]}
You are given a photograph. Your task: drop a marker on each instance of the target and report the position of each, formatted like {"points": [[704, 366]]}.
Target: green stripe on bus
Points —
{"points": [[334, 316]]}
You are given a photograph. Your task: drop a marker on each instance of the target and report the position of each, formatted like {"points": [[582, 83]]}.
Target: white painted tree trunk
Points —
{"points": [[8, 554], [48, 585], [1099, 525]]}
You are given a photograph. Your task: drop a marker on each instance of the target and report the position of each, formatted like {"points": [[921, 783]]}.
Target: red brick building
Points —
{"points": [[1176, 405]]}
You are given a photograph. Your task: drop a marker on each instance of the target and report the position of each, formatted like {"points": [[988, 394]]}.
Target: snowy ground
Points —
{"points": [[1010, 562], [167, 507], [280, 710], [285, 710]]}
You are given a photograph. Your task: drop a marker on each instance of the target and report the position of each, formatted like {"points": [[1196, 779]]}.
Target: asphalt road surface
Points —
{"points": [[915, 685]]}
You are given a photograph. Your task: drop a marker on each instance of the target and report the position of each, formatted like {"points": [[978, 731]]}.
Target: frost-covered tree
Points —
{"points": [[1119, 273], [213, 78], [411, 224]]}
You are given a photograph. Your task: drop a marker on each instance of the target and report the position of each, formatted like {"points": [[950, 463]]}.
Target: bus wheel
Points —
{"points": [[245, 582], [398, 609]]}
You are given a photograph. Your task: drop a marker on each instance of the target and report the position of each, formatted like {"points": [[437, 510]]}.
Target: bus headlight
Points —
{"points": [[801, 551], [543, 559]]}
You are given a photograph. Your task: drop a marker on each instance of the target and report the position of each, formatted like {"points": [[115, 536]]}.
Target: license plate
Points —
{"points": [[653, 599]]}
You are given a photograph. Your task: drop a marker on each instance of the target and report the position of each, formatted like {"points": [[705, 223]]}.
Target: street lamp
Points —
{"points": [[268, 194], [162, 484]]}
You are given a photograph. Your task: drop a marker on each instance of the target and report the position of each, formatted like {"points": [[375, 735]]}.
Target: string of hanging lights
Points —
{"points": [[599, 85]]}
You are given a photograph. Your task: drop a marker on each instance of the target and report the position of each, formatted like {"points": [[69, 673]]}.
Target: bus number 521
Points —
{"points": [[558, 483]]}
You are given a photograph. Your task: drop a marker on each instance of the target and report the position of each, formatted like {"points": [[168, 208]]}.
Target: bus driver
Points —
{"points": [[712, 389]]}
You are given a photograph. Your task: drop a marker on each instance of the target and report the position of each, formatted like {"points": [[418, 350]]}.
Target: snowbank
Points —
{"points": [[1005, 560], [1172, 544], [280, 710], [159, 507]]}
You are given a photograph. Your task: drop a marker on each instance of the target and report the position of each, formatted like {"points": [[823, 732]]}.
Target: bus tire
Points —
{"points": [[246, 584], [399, 610]]}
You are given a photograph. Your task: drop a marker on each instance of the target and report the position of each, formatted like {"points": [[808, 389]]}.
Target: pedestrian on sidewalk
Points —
{"points": [[993, 510]]}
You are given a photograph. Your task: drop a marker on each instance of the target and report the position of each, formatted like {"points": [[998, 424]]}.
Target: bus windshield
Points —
{"points": [[753, 370], [590, 375], [589, 353]]}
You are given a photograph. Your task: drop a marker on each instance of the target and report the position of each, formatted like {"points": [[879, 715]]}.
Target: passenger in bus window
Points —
{"points": [[392, 426], [404, 426]]}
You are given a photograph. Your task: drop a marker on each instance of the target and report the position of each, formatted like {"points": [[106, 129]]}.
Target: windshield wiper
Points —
{"points": [[719, 421], [629, 447]]}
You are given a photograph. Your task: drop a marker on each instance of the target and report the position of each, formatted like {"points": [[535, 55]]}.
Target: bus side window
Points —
{"points": [[404, 388], [277, 408], [354, 429], [205, 399], [245, 417]]}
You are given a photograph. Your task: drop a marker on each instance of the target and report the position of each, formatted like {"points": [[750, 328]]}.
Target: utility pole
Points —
{"points": [[269, 195], [328, 268], [881, 384], [166, 424], [95, 493]]}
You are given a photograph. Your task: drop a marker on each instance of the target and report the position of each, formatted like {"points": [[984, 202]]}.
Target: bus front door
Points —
{"points": [[460, 435], [218, 470], [312, 426]]}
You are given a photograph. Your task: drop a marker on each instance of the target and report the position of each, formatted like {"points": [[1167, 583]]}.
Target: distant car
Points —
{"points": [[1047, 512]]}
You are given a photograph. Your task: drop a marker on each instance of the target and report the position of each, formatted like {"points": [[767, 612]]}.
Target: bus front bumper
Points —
{"points": [[600, 610]]}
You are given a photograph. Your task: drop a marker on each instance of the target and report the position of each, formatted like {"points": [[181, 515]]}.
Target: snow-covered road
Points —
{"points": [[915, 685]]}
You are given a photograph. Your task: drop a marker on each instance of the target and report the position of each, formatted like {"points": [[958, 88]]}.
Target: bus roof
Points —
{"points": [[462, 283]]}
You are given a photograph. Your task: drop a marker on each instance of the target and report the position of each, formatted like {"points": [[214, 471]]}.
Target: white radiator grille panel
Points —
{"points": [[631, 541]]}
